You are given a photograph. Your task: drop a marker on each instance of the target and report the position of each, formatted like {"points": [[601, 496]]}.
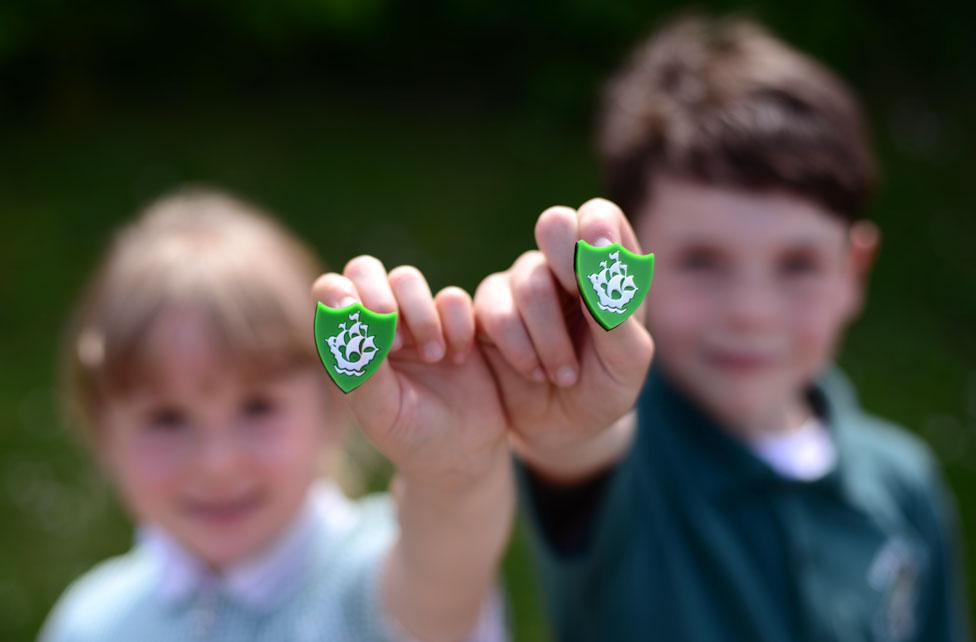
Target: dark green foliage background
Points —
{"points": [[425, 133]]}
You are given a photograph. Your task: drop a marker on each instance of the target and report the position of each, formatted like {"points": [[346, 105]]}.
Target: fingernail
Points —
{"points": [[566, 376], [602, 242], [346, 301], [397, 341], [433, 351], [538, 375]]}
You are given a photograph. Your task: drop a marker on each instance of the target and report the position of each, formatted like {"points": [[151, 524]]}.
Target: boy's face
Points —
{"points": [[219, 461], [751, 292]]}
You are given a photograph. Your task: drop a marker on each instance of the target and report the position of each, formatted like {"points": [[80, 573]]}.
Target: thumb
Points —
{"points": [[625, 352]]}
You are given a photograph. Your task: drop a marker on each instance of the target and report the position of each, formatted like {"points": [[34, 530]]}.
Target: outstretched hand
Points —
{"points": [[432, 406], [565, 382], [433, 409]]}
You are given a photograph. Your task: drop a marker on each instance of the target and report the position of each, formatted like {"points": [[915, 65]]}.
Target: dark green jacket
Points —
{"points": [[694, 539]]}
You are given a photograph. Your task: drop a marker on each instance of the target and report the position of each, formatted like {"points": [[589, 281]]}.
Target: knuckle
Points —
{"points": [[506, 332], [509, 328], [425, 327], [458, 327], [533, 285], [495, 322], [504, 327]]}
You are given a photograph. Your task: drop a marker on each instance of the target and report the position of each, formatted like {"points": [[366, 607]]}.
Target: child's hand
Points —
{"points": [[432, 406], [566, 383], [433, 409]]}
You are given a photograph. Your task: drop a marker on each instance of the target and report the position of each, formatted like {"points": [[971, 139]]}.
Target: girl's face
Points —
{"points": [[220, 461]]}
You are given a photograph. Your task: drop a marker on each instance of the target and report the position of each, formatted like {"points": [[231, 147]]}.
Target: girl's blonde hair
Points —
{"points": [[204, 250]]}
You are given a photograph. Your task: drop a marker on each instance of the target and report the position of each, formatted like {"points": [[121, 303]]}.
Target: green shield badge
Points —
{"points": [[612, 280], [352, 342]]}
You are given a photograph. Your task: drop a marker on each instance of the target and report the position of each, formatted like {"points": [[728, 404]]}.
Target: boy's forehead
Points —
{"points": [[682, 211]]}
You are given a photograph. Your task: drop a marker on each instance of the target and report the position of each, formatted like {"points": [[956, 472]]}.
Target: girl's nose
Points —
{"points": [[220, 453]]}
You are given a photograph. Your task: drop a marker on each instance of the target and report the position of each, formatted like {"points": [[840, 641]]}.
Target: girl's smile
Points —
{"points": [[225, 512], [220, 460]]}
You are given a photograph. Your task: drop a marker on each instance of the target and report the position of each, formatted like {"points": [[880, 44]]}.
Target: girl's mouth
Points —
{"points": [[224, 511]]}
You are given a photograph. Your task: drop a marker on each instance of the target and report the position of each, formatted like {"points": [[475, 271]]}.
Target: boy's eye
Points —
{"points": [[700, 260], [167, 419], [799, 264]]}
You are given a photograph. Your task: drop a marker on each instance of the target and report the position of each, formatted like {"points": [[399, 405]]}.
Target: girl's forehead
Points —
{"points": [[185, 350], [188, 380], [183, 340]]}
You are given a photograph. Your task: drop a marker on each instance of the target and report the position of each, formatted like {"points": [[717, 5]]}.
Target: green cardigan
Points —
{"points": [[695, 539]]}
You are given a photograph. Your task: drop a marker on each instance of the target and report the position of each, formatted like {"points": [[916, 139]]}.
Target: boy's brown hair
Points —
{"points": [[724, 102]]}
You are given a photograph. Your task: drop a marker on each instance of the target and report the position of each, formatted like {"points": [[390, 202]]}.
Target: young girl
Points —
{"points": [[192, 367]]}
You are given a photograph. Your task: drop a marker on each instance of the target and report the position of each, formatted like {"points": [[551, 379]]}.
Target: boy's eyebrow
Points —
{"points": [[717, 244], [699, 242], [802, 242], [807, 242], [697, 238], [710, 238]]}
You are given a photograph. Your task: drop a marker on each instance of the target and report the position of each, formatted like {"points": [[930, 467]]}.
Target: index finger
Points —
{"points": [[602, 223], [556, 233], [599, 222]]}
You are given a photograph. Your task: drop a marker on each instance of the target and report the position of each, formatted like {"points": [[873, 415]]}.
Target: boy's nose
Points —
{"points": [[751, 304]]}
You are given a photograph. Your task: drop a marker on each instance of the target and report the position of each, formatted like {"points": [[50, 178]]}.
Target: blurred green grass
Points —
{"points": [[453, 191]]}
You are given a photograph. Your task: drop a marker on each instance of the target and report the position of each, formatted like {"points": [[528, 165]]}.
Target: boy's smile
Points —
{"points": [[751, 292]]}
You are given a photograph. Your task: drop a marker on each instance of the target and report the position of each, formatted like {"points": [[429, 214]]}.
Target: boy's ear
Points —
{"points": [[864, 238]]}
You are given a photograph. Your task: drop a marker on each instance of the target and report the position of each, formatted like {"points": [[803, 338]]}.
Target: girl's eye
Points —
{"points": [[167, 419], [258, 407]]}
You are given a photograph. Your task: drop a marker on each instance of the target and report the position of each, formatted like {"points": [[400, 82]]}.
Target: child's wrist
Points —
{"points": [[453, 532], [472, 514], [574, 461], [486, 480]]}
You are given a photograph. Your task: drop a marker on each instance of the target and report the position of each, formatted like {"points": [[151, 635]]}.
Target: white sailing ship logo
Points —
{"points": [[613, 284], [352, 348]]}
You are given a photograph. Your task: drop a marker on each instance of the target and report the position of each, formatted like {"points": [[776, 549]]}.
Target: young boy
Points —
{"points": [[748, 498]]}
